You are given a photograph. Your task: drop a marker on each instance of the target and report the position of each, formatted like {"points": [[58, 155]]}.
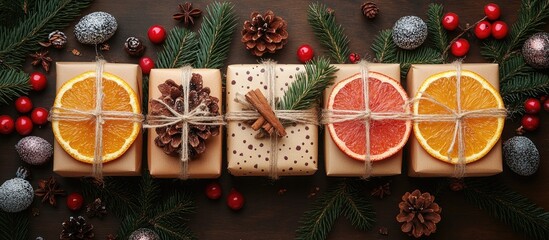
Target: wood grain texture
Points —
{"points": [[268, 215]]}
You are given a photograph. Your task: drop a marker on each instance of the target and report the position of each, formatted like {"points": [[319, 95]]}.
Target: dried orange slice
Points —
{"points": [[387, 137], [480, 134], [77, 138]]}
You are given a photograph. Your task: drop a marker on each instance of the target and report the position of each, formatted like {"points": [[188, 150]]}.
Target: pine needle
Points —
{"points": [[13, 83], [513, 67], [384, 47], [438, 36], [517, 89], [508, 206], [358, 209], [14, 226], [308, 86], [215, 35], [329, 33], [180, 49], [421, 55]]}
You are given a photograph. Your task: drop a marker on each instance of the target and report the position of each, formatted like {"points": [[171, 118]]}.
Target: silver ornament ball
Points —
{"points": [[16, 194], [521, 155], [144, 234], [536, 50], [34, 150], [95, 28], [409, 32]]}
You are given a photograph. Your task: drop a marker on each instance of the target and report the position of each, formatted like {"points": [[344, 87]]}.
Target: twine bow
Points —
{"points": [[97, 114], [298, 116], [198, 116]]}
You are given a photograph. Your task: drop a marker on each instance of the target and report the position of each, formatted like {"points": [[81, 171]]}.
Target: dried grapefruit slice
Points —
{"points": [[77, 138], [387, 137], [480, 134]]}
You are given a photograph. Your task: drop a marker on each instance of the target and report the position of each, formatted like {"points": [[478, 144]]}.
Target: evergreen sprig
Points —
{"points": [[508, 206], [516, 90], [14, 226], [13, 83], [308, 86], [421, 55], [21, 39], [180, 49], [329, 32], [438, 36], [344, 199], [384, 48], [215, 35]]}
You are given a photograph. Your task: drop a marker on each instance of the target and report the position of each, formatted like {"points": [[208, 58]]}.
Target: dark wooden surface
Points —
{"points": [[268, 215]]}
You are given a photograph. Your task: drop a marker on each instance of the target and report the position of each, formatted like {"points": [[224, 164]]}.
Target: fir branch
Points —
{"points": [[421, 55], [531, 17], [13, 83], [358, 209], [118, 194], [308, 86], [508, 206], [513, 67], [384, 47], [11, 11], [168, 221], [437, 34], [329, 33], [21, 39], [14, 226], [215, 35], [179, 49], [517, 89]]}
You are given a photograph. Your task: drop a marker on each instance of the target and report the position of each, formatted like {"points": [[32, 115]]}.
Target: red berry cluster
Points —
{"points": [[532, 106], [483, 28], [157, 34], [235, 199], [38, 116]]}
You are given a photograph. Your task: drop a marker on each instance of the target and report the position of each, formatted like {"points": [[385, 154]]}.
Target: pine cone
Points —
{"points": [[57, 39], [264, 33], [369, 9], [134, 47], [96, 209], [419, 214], [76, 228], [169, 138]]}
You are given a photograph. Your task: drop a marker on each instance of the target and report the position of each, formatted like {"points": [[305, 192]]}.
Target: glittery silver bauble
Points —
{"points": [[34, 150], [409, 32], [144, 234], [16, 194], [95, 28], [521, 155], [536, 50]]}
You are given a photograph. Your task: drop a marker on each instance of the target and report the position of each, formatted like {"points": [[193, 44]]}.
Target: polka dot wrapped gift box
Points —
{"points": [[249, 154]]}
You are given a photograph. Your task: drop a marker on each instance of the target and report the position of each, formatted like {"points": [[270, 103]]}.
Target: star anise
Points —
{"points": [[48, 189], [381, 191], [187, 14], [42, 58]]}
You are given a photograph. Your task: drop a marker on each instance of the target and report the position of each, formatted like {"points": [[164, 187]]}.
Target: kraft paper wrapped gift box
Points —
{"points": [[207, 164], [129, 164], [420, 163], [248, 156], [337, 162]]}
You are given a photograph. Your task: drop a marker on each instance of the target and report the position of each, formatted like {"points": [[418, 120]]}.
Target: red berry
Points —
{"points": [[483, 30], [530, 122], [305, 53], [23, 104], [354, 57], [546, 105], [450, 21], [235, 200], [23, 125], [499, 29], [39, 116], [460, 47], [156, 34], [213, 191], [492, 11], [532, 105], [38, 81], [75, 201], [6, 124], [146, 64]]}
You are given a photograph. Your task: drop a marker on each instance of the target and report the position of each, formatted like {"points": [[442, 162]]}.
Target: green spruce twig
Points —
{"points": [[329, 33], [13, 83], [215, 35], [508, 206], [438, 36], [516, 90], [22, 38], [421, 55], [180, 49], [384, 48], [308, 86], [14, 226]]}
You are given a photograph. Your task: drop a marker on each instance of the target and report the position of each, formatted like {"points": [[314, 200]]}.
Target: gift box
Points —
{"points": [[337, 162], [206, 164], [129, 164], [420, 163], [296, 153]]}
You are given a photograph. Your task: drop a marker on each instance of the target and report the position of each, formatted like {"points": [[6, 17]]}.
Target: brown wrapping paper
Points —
{"points": [[128, 164], [208, 164], [421, 164], [338, 163], [247, 156]]}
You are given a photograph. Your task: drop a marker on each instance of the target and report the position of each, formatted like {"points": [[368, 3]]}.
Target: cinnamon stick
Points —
{"points": [[258, 100]]}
